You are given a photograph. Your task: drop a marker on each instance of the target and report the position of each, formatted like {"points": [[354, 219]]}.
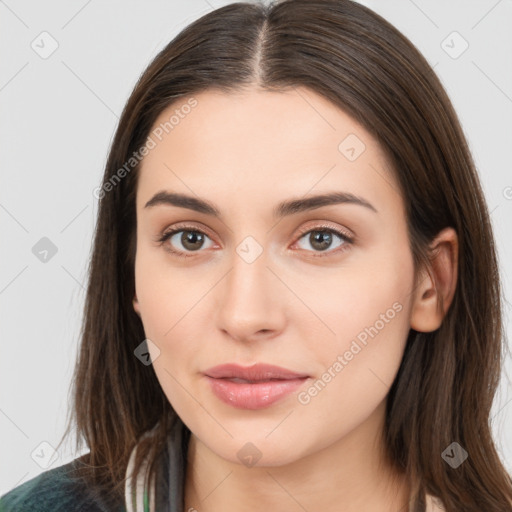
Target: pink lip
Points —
{"points": [[267, 384]]}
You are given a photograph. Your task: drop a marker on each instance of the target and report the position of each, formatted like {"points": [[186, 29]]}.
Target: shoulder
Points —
{"points": [[55, 490]]}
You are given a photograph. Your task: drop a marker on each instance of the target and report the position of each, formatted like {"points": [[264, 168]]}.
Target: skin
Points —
{"points": [[245, 153]]}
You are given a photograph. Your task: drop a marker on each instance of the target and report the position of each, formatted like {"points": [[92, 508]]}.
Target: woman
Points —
{"points": [[293, 300]]}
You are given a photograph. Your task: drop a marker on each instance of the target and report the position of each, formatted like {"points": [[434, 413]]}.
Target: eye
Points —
{"points": [[321, 239], [191, 240]]}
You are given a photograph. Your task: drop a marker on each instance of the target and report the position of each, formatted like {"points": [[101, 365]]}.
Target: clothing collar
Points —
{"points": [[167, 494]]}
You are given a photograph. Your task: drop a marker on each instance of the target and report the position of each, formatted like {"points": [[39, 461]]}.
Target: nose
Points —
{"points": [[251, 301]]}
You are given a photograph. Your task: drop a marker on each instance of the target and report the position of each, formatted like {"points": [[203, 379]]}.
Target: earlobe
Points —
{"points": [[435, 290]]}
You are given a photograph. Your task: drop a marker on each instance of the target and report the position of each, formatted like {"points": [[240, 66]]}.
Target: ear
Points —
{"points": [[434, 293], [136, 306]]}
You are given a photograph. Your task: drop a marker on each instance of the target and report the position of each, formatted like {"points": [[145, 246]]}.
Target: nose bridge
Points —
{"points": [[249, 267], [248, 302]]}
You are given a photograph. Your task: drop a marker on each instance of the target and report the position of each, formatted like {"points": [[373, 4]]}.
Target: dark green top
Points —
{"points": [[58, 489]]}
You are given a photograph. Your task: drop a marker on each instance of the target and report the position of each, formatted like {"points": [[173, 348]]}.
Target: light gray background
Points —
{"points": [[58, 117]]}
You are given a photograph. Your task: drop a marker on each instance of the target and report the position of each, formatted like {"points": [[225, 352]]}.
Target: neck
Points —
{"points": [[350, 475]]}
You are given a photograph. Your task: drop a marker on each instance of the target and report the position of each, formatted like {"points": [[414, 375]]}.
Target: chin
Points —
{"points": [[256, 450]]}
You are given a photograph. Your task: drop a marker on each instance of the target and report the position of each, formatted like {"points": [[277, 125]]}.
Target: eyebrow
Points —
{"points": [[285, 208]]}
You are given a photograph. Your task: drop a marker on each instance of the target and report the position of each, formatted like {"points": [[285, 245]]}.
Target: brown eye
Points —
{"points": [[192, 240], [184, 240], [322, 239]]}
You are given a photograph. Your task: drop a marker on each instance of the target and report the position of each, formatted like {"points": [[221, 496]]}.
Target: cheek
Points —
{"points": [[169, 306], [166, 294], [175, 318], [365, 298], [368, 309]]}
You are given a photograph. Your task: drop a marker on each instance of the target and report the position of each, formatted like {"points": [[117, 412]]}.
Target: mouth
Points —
{"points": [[254, 387], [235, 379], [255, 373]]}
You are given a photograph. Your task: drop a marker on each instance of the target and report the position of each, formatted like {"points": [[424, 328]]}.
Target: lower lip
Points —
{"points": [[253, 396]]}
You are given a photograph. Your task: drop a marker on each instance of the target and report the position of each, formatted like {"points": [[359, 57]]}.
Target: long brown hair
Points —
{"points": [[356, 59]]}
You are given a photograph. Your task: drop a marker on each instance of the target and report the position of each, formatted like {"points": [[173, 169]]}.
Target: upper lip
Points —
{"points": [[259, 371]]}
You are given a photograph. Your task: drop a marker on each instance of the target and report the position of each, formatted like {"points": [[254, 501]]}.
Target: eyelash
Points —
{"points": [[348, 240]]}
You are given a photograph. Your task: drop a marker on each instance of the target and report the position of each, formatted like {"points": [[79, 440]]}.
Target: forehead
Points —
{"points": [[261, 144]]}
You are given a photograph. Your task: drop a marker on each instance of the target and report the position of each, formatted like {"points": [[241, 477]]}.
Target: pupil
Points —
{"points": [[189, 238], [321, 239]]}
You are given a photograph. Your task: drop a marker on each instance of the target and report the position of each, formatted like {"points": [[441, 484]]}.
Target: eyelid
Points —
{"points": [[165, 235], [315, 226], [182, 226]]}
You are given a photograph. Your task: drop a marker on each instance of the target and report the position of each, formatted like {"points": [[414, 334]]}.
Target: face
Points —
{"points": [[321, 289]]}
